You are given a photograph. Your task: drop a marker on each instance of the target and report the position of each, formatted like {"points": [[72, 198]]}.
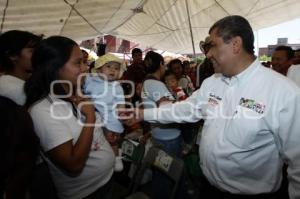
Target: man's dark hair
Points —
{"points": [[136, 50], [233, 26], [289, 51]]}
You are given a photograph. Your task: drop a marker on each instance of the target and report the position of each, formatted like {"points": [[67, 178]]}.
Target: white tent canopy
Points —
{"points": [[161, 24]]}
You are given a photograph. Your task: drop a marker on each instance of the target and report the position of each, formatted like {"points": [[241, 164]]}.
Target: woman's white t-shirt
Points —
{"points": [[55, 124]]}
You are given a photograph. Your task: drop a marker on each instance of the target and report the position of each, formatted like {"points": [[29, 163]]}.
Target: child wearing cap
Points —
{"points": [[107, 94]]}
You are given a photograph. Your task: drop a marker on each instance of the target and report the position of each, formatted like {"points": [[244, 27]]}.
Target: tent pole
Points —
{"points": [[190, 25], [257, 43]]}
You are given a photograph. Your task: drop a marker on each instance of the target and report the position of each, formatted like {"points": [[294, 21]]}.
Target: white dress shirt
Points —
{"points": [[294, 74], [13, 88], [251, 127]]}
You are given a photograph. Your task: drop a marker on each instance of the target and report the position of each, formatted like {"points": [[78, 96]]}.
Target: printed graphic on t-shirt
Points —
{"points": [[98, 140]]}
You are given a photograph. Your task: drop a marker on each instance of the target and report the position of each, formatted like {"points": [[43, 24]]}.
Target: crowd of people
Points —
{"points": [[63, 121]]}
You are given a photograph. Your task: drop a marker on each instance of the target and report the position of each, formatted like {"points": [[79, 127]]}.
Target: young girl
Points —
{"points": [[75, 149], [107, 95], [172, 84]]}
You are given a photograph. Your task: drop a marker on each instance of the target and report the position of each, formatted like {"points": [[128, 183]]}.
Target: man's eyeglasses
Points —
{"points": [[205, 46], [201, 46]]}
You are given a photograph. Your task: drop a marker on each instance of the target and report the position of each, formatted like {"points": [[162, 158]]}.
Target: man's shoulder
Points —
{"points": [[216, 78], [12, 81], [139, 66], [11, 86], [213, 83]]}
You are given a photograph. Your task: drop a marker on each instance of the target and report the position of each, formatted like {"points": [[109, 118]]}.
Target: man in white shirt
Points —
{"points": [[294, 71], [294, 74], [251, 125], [296, 59], [282, 59]]}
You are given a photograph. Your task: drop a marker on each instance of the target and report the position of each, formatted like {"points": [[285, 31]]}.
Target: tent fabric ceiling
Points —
{"points": [[161, 24]]}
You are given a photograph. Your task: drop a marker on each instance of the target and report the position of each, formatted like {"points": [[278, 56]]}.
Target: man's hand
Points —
{"points": [[130, 116]]}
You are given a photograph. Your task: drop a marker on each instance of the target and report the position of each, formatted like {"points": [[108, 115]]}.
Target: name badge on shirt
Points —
{"points": [[251, 104], [213, 100]]}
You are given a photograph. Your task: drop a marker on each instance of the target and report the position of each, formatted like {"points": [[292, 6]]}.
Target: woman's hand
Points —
{"points": [[86, 107]]}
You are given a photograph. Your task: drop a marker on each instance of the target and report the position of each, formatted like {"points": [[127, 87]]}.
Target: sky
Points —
{"points": [[268, 36]]}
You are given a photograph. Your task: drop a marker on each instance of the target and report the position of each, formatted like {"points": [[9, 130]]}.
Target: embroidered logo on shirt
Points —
{"points": [[251, 104]]}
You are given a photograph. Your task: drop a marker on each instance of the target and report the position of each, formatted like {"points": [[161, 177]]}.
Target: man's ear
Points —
{"points": [[162, 66], [237, 44]]}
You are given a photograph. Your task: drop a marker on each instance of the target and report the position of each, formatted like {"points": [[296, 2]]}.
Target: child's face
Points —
{"points": [[171, 81], [177, 69], [111, 71]]}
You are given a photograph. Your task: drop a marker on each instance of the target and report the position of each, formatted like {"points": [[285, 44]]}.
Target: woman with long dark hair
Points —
{"points": [[79, 158]]}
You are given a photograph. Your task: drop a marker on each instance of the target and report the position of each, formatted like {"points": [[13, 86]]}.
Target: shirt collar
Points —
{"points": [[11, 77], [242, 76]]}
